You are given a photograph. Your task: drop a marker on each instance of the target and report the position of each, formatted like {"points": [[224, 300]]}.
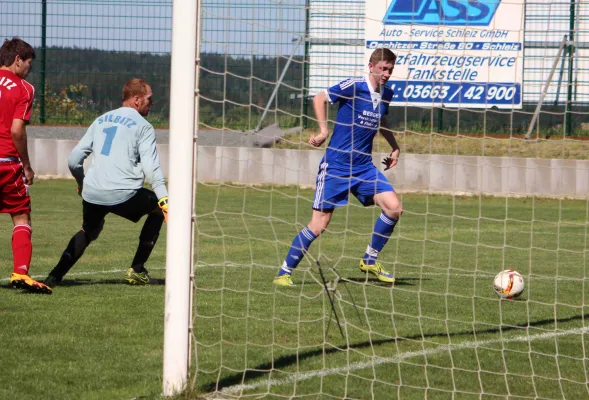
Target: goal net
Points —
{"points": [[478, 198]]}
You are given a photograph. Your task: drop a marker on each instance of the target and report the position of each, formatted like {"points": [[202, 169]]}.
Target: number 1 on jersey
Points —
{"points": [[110, 135]]}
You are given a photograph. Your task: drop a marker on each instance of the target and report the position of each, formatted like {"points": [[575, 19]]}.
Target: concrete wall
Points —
{"points": [[415, 172]]}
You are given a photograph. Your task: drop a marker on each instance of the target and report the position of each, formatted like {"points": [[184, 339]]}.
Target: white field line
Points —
{"points": [[413, 271], [479, 274], [232, 390], [87, 273]]}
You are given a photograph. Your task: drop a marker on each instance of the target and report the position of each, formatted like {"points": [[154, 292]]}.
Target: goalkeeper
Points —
{"points": [[347, 164], [124, 157]]}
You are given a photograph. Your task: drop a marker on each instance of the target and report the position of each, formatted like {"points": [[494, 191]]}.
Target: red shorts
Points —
{"points": [[14, 194]]}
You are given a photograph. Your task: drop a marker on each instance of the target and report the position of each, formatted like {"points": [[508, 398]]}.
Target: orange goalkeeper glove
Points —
{"points": [[163, 204]]}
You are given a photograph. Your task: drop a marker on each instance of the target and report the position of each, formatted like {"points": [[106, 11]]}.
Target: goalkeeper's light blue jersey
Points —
{"points": [[124, 156], [357, 121]]}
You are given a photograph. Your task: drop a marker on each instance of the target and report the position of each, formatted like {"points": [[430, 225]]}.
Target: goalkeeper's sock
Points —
{"points": [[383, 228], [298, 248], [22, 248], [147, 240], [71, 255]]}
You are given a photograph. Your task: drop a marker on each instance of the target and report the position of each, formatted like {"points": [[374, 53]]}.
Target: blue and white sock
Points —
{"points": [[299, 246], [383, 228]]}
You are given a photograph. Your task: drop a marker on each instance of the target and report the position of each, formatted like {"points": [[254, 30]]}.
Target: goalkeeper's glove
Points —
{"points": [[163, 204]]}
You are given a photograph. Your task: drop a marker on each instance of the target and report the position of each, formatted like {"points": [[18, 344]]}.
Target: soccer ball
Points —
{"points": [[508, 284]]}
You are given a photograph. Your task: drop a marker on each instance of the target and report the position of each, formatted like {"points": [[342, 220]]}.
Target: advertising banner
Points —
{"points": [[455, 53]]}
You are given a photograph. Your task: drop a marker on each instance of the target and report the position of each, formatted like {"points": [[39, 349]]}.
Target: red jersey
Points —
{"points": [[16, 102]]}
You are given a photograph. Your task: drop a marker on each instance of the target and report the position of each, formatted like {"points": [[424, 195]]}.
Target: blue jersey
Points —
{"points": [[358, 119]]}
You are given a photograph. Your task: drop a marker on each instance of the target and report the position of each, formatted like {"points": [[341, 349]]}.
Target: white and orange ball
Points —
{"points": [[508, 284]]}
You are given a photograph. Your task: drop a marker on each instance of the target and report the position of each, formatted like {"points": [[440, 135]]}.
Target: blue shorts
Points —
{"points": [[333, 188]]}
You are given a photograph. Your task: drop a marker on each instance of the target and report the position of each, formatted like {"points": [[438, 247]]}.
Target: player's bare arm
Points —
{"points": [[19, 137], [387, 133], [320, 107]]}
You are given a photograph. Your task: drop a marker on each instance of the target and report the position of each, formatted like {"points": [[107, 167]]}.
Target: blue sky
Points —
{"points": [[105, 24], [238, 27]]}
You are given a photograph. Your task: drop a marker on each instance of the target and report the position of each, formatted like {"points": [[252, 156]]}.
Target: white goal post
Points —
{"points": [[180, 185]]}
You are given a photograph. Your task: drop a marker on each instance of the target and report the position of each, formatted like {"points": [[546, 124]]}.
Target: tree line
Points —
{"points": [[80, 83]]}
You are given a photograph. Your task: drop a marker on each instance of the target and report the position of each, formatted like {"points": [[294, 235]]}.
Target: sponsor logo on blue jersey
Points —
{"points": [[441, 12]]}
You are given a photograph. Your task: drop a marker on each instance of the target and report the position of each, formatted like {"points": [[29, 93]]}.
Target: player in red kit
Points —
{"points": [[16, 102]]}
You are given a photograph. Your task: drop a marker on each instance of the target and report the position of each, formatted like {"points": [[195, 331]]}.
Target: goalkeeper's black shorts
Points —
{"points": [[142, 203]]}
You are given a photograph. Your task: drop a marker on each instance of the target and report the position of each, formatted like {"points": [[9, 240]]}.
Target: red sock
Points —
{"points": [[22, 248]]}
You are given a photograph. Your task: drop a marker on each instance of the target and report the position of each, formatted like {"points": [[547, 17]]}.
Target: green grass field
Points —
{"points": [[439, 333]]}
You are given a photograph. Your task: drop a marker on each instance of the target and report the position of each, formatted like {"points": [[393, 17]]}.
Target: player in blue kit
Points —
{"points": [[124, 157], [347, 164]]}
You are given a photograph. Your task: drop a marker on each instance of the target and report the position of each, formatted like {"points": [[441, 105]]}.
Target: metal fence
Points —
{"points": [[246, 48], [87, 50]]}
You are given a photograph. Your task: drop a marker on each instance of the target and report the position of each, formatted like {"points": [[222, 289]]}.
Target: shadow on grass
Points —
{"points": [[292, 359], [119, 281], [89, 282], [375, 281]]}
